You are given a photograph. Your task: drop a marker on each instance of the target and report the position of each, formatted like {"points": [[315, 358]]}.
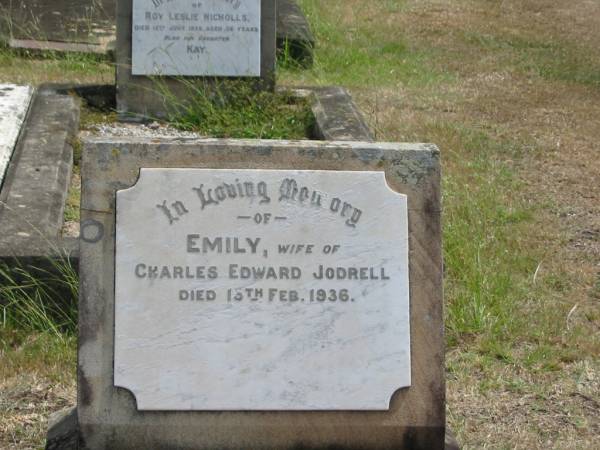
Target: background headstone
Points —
{"points": [[195, 40], [211, 38], [75, 25], [110, 417]]}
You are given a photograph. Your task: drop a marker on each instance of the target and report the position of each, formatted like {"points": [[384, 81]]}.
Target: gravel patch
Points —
{"points": [[151, 130]]}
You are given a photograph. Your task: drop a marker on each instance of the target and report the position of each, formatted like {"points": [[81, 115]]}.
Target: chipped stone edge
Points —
{"points": [[41, 247]]}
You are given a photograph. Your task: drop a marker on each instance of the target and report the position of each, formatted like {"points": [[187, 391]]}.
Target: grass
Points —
{"points": [[235, 109], [516, 344], [72, 206], [38, 344], [549, 58], [22, 67], [25, 67], [40, 299], [72, 210], [481, 246], [352, 50]]}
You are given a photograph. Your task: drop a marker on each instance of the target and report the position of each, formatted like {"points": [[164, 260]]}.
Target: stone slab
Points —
{"points": [[142, 97], [14, 104], [337, 117], [63, 432], [261, 290], [294, 36], [35, 189], [73, 21], [109, 417], [105, 48], [209, 38]]}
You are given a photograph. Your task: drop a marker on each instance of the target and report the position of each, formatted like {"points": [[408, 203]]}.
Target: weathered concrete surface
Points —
{"points": [[294, 35], [140, 98], [75, 21], [337, 116], [14, 104], [63, 432], [63, 426], [451, 442], [33, 195], [108, 416], [104, 48]]}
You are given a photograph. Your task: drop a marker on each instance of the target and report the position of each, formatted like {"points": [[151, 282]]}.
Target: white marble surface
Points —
{"points": [[203, 38], [261, 351], [14, 103]]}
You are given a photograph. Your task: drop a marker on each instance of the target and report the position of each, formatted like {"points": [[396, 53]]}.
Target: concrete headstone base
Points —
{"points": [[63, 432]]}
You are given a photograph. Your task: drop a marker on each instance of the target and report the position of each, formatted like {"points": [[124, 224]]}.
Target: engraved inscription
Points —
{"points": [[243, 289], [204, 38]]}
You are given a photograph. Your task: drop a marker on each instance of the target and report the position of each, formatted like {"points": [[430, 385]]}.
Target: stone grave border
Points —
{"points": [[35, 188], [294, 34], [38, 176]]}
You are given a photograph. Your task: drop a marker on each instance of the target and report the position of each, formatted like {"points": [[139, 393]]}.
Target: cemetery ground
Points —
{"points": [[510, 91]]}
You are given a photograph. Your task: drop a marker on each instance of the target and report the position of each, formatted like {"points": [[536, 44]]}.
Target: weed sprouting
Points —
{"points": [[38, 299], [236, 109]]}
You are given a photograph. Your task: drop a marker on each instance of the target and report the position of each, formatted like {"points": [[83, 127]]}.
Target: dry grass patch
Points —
{"points": [[37, 378], [510, 91]]}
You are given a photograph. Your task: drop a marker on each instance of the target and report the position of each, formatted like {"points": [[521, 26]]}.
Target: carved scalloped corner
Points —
{"points": [[396, 393], [135, 184], [389, 187], [129, 396]]}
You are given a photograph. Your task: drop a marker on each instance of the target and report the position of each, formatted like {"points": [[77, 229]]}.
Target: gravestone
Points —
{"points": [[14, 104], [265, 295], [86, 26], [168, 46]]}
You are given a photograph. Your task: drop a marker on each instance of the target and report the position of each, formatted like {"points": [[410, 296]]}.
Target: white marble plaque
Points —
{"points": [[196, 37], [14, 103], [261, 290]]}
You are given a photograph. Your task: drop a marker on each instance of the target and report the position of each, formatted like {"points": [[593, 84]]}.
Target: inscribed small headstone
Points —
{"points": [[196, 38], [14, 104], [188, 44], [261, 290]]}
